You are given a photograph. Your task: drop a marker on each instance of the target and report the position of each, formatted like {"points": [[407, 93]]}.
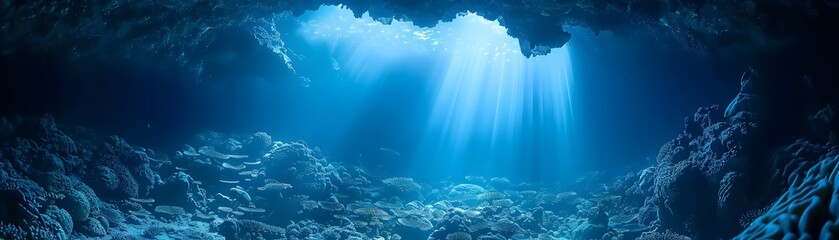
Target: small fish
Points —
{"points": [[225, 197], [244, 195], [180, 169], [252, 163], [158, 160], [251, 210], [233, 167], [142, 200], [225, 209], [335, 65], [198, 182], [390, 151], [274, 186], [210, 152], [229, 181], [139, 213], [204, 216]]}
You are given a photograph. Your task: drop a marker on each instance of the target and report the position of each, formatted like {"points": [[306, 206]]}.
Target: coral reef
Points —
{"points": [[716, 179], [302, 167], [808, 209], [721, 174], [703, 178]]}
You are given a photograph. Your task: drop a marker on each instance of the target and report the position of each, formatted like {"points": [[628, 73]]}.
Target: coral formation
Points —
{"points": [[714, 180]]}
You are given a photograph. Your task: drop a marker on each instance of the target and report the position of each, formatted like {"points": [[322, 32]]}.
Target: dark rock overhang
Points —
{"points": [[182, 30]]}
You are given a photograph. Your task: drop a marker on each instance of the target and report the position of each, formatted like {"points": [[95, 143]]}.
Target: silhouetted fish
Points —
{"points": [[390, 152], [142, 200], [189, 151], [210, 152], [233, 167]]}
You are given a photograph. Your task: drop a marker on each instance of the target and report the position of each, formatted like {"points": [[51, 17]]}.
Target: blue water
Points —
{"points": [[330, 125], [456, 99]]}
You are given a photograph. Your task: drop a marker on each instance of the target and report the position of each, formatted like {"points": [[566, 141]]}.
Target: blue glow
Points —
{"points": [[488, 106]]}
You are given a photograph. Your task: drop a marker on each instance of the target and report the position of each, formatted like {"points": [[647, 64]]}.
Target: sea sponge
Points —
{"points": [[55, 182], [131, 168], [806, 209], [64, 144], [77, 204], [92, 198], [91, 227], [180, 189], [103, 178], [111, 215], [701, 181], [258, 144], [62, 217], [145, 178], [20, 198], [229, 229], [296, 164], [9, 231], [44, 227], [47, 162]]}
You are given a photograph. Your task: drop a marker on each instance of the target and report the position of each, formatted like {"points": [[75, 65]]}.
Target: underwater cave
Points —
{"points": [[402, 119]]}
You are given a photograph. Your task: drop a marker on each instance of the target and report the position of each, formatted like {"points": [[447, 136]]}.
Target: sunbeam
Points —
{"points": [[488, 107], [492, 106]]}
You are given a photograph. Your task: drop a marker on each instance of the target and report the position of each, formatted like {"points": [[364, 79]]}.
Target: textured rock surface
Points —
{"points": [[808, 209], [699, 179], [722, 171], [715, 179], [183, 32]]}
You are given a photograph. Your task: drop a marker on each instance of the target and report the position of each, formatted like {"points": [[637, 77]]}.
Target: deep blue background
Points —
{"points": [[629, 96]]}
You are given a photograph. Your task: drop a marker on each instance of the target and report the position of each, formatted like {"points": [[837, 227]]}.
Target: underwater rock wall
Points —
{"points": [[721, 173], [184, 31]]}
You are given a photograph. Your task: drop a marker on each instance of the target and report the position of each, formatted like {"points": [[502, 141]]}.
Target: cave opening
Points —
{"points": [[401, 119], [478, 104]]}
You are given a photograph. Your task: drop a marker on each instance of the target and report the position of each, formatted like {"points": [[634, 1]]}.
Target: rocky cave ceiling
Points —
{"points": [[182, 30]]}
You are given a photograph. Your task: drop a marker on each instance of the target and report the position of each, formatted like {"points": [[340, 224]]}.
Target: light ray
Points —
{"points": [[489, 105]]}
